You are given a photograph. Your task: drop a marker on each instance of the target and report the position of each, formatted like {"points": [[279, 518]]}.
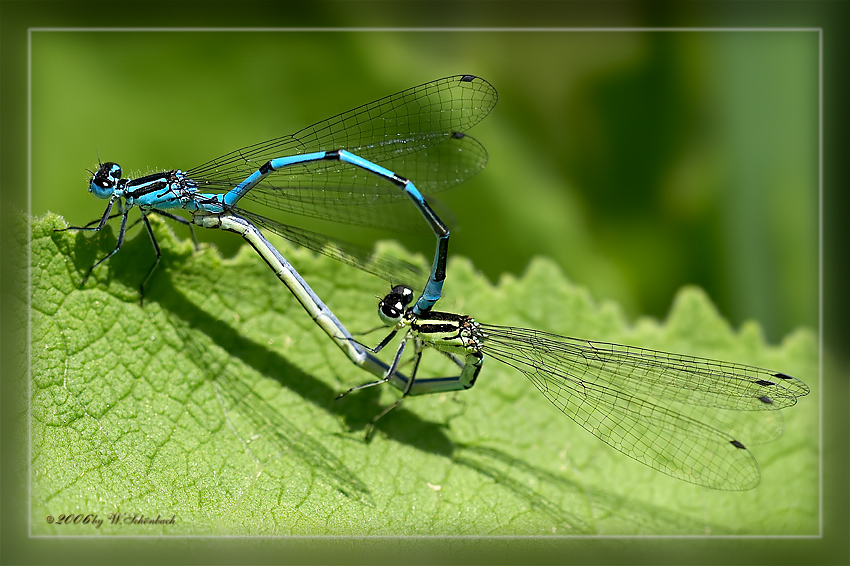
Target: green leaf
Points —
{"points": [[214, 403]]}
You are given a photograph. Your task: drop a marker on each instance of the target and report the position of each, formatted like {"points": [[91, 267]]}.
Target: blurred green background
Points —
{"points": [[640, 161]]}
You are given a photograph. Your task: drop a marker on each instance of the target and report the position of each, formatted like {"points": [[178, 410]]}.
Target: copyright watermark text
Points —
{"points": [[111, 519]]}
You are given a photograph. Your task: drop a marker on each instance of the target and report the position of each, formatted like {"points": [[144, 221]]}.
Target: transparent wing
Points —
{"points": [[393, 270], [669, 411], [351, 195], [417, 133]]}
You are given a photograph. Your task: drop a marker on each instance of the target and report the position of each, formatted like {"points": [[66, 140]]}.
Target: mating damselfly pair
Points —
{"points": [[376, 166]]}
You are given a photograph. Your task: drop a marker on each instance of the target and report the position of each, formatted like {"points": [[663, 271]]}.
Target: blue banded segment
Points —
{"points": [[685, 416], [433, 288]]}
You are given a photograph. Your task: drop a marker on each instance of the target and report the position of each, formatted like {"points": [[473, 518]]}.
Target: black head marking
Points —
{"points": [[392, 307], [105, 180], [402, 293]]}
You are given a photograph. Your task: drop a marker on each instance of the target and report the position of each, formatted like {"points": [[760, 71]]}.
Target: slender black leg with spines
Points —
{"points": [[417, 357], [155, 263], [121, 232]]}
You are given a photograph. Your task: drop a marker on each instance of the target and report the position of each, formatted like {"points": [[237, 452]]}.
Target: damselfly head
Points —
{"points": [[392, 307], [105, 180]]}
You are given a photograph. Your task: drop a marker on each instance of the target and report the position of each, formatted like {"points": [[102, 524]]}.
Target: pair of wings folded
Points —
{"points": [[418, 133]]}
